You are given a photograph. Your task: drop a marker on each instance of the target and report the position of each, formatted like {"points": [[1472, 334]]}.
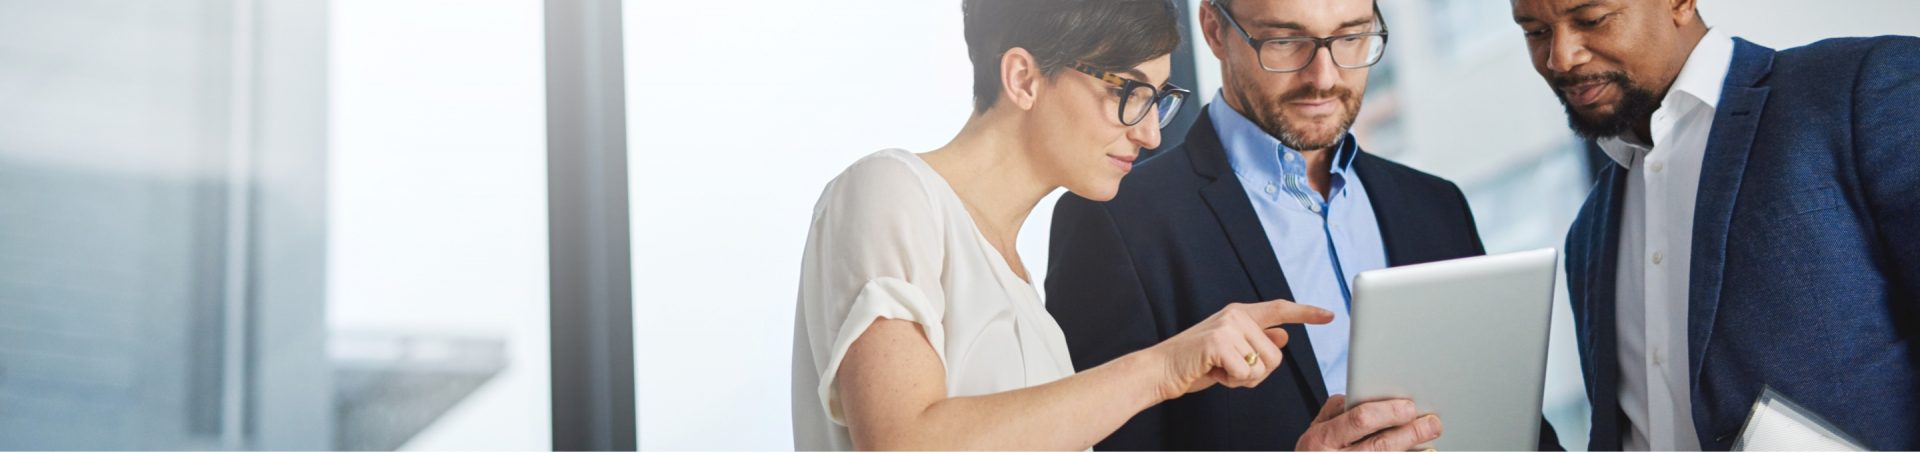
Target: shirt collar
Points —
{"points": [[1698, 86], [1253, 152], [1706, 69]]}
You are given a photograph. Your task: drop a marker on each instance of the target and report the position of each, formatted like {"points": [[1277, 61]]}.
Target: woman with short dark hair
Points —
{"points": [[918, 327]]}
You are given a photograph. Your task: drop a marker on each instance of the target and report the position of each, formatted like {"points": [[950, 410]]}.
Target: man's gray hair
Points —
{"points": [[1229, 3]]}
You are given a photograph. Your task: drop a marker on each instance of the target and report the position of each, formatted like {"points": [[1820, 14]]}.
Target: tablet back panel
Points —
{"points": [[1465, 339]]}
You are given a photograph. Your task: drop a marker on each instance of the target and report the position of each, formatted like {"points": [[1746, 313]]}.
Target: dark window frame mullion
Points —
{"points": [[590, 268]]}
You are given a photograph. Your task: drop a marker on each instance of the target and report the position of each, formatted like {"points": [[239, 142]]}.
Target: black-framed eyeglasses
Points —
{"points": [[1137, 98], [1294, 53]]}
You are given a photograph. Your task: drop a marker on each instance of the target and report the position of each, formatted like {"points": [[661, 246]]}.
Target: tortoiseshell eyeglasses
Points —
{"points": [[1137, 98]]}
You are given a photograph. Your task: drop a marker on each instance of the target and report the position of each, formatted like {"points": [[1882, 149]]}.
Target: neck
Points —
{"points": [[1690, 38], [1319, 169], [992, 169]]}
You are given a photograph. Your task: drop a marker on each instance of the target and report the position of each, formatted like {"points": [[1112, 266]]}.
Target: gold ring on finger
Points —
{"points": [[1253, 358]]}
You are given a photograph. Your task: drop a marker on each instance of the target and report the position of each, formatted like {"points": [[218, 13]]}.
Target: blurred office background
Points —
{"points": [[329, 224]]}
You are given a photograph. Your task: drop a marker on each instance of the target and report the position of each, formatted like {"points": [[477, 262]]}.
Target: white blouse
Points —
{"points": [[890, 239]]}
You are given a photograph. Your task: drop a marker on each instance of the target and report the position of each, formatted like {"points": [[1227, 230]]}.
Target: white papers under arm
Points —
{"points": [[1778, 424]]}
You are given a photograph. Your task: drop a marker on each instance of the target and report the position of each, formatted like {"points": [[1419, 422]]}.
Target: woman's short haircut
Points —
{"points": [[1113, 35]]}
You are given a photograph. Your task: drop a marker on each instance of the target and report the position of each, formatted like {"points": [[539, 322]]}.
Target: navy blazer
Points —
{"points": [[1806, 268], [1180, 242]]}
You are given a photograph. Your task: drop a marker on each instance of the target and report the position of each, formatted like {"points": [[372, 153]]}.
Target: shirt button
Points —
{"points": [[1657, 258], [1657, 166], [1289, 157], [1314, 207], [1270, 188], [1656, 358]]}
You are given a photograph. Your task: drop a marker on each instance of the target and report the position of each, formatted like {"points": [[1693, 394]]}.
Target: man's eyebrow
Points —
{"points": [[1358, 22], [1296, 26], [1582, 6], [1285, 25], [1522, 18]]}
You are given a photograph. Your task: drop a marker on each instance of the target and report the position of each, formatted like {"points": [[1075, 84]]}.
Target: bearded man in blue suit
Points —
{"points": [[1755, 226]]}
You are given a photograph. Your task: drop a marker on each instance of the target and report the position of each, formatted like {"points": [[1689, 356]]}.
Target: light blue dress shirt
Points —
{"points": [[1321, 242]]}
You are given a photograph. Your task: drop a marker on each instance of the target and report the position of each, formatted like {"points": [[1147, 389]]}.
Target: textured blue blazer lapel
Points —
{"points": [[1734, 124]]}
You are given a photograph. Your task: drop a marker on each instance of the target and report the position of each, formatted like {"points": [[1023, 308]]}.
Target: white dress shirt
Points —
{"points": [[890, 239], [1656, 241]]}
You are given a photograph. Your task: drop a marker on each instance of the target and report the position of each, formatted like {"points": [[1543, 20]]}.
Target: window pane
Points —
{"points": [[112, 217], [438, 277], [230, 224]]}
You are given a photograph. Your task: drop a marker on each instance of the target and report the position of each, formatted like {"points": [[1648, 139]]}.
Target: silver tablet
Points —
{"points": [[1465, 339]]}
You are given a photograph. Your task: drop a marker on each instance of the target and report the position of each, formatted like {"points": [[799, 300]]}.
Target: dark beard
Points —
{"points": [[1268, 117], [1635, 104]]}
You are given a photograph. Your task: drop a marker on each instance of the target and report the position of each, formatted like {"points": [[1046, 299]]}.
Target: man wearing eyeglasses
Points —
{"points": [[1268, 198]]}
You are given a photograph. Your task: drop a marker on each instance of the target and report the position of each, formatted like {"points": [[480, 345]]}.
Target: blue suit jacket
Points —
{"points": [[1806, 263], [1179, 243]]}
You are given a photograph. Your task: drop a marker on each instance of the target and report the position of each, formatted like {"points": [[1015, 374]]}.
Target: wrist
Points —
{"points": [[1149, 366]]}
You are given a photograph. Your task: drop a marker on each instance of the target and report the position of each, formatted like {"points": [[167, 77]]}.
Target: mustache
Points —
{"points": [[1342, 93], [1563, 81]]}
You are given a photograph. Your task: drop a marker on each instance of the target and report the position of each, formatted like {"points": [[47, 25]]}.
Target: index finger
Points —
{"points": [[1276, 312]]}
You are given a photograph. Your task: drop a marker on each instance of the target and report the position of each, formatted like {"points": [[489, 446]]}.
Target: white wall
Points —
{"points": [[1782, 24]]}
